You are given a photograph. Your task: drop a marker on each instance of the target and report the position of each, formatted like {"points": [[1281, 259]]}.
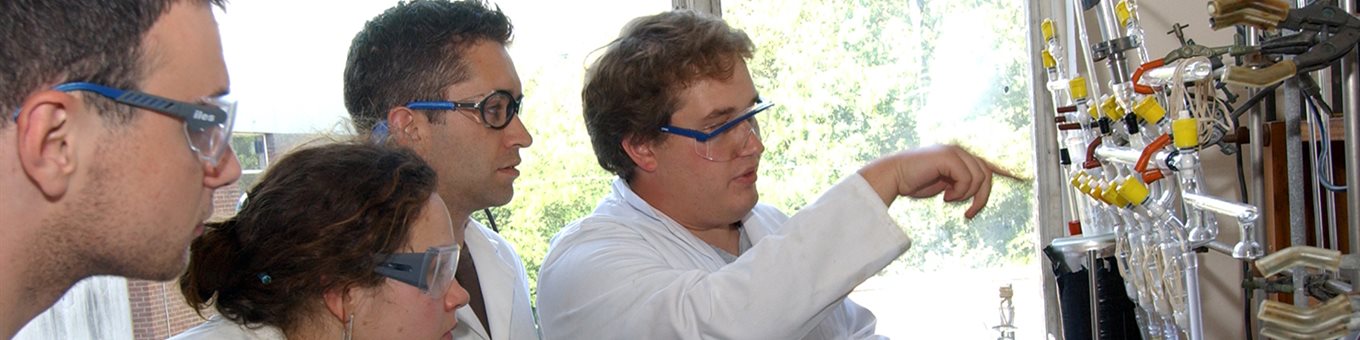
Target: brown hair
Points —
{"points": [[413, 51], [632, 90], [312, 223], [46, 42]]}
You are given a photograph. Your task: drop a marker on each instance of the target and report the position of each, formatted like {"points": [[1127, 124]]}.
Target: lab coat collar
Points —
{"points": [[623, 193], [496, 277]]}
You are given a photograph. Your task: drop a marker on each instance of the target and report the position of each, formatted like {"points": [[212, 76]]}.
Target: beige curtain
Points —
{"points": [[713, 7]]}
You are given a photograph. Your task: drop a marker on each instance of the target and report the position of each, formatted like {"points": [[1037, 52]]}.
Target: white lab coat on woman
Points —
{"points": [[628, 271], [505, 289]]}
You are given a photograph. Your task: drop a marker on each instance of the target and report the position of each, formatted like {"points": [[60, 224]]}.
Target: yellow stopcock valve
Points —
{"points": [[1092, 111], [1077, 88], [1133, 191], [1121, 12], [1085, 186], [1149, 110], [1076, 179], [1047, 28], [1111, 195], [1118, 200], [1185, 133], [1112, 109], [1049, 62], [1096, 193]]}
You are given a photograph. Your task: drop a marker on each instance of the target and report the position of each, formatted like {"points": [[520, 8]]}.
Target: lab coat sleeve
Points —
{"points": [[860, 321], [603, 280]]}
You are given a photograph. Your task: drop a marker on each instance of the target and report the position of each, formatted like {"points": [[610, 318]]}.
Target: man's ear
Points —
{"points": [[45, 141], [642, 153], [402, 125]]}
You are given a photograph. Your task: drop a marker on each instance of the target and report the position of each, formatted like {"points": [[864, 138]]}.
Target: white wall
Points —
{"points": [[95, 308]]}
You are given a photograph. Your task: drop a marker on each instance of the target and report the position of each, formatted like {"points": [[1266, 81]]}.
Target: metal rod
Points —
{"points": [[1192, 296], [1292, 102], [1351, 116], [1092, 256], [1109, 27], [1256, 187]]}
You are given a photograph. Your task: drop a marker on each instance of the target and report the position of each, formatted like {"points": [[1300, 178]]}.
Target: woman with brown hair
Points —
{"points": [[341, 239]]}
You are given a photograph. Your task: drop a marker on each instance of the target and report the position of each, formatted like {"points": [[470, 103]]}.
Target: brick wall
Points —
{"points": [[158, 308]]}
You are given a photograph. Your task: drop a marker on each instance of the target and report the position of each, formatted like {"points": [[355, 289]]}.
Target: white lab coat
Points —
{"points": [[219, 328], [505, 289], [628, 271]]}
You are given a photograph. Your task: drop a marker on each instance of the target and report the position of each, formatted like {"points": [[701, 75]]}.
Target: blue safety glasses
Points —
{"points": [[432, 271], [720, 146], [207, 125]]}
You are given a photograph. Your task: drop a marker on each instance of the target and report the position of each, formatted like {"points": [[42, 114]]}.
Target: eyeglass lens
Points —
{"points": [[729, 145], [498, 108], [441, 273], [210, 141]]}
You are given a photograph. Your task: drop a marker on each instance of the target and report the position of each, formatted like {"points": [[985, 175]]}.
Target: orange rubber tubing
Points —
{"points": [[1138, 74]]}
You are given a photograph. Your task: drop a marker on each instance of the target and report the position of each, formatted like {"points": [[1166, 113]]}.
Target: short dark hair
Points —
{"points": [[414, 51], [46, 42], [632, 90], [313, 223]]}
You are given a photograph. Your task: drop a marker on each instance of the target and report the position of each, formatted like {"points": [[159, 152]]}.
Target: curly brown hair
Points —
{"points": [[633, 88], [313, 223]]}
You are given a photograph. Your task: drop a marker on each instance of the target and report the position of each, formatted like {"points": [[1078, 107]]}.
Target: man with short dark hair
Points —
{"points": [[435, 76], [680, 249], [113, 139]]}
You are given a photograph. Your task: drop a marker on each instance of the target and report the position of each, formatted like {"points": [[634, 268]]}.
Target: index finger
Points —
{"points": [[1005, 173]]}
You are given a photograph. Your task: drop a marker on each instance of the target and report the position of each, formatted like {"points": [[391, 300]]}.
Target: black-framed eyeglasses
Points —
{"points": [[497, 109], [207, 125], [719, 146], [432, 271]]}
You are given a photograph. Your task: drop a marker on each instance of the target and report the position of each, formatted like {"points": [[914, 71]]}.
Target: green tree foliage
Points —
{"points": [[859, 79], [852, 81]]}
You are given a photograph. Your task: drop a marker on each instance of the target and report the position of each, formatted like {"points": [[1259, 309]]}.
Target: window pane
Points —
{"points": [[560, 181], [859, 79]]}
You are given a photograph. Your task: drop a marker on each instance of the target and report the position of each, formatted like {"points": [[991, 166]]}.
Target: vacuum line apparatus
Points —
{"points": [[1132, 127]]}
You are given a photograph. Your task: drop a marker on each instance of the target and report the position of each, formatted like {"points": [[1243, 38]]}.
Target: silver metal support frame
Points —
{"points": [[1292, 103], [1048, 180], [1092, 259], [1351, 117]]}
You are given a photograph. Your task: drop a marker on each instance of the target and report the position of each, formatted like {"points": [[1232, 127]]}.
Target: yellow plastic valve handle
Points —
{"points": [[1118, 199], [1077, 88], [1185, 133], [1047, 28], [1149, 110], [1121, 12], [1133, 190], [1049, 62], [1112, 109], [1111, 195]]}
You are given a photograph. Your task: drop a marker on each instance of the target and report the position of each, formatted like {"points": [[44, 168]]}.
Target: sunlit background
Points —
{"points": [[853, 79]]}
